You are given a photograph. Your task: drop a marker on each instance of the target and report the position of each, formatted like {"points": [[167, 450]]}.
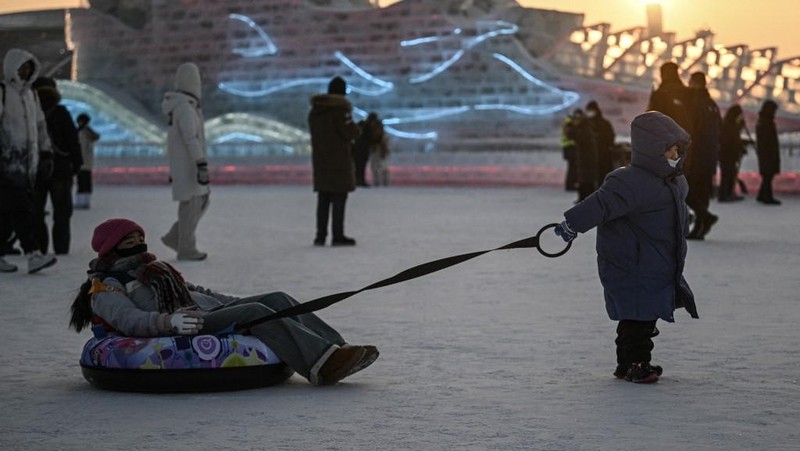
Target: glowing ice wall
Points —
{"points": [[462, 80]]}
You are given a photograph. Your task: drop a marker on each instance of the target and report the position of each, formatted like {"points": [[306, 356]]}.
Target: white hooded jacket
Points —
{"points": [[23, 130], [186, 142]]}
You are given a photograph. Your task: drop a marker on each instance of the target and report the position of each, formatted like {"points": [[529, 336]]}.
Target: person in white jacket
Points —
{"points": [[26, 155], [186, 148]]}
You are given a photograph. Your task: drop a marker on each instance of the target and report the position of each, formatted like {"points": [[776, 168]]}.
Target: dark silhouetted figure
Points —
{"points": [[67, 160], [701, 160], [768, 149], [87, 137], [370, 135], [568, 152], [582, 134], [604, 137], [672, 97], [332, 130], [731, 150]]}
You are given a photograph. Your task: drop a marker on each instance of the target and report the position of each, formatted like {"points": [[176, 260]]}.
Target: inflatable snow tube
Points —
{"points": [[183, 363]]}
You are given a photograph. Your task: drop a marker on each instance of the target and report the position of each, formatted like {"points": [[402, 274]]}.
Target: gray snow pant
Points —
{"points": [[304, 342], [181, 235]]}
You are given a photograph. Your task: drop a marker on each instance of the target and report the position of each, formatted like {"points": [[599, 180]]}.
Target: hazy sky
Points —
{"points": [[759, 23]]}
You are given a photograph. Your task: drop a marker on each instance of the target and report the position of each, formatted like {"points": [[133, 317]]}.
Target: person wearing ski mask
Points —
{"points": [[130, 292]]}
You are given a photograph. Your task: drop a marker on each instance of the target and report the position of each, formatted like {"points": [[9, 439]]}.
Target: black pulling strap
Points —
{"points": [[408, 274]]}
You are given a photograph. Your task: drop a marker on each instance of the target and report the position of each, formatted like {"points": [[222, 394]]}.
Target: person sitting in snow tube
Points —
{"points": [[130, 293]]}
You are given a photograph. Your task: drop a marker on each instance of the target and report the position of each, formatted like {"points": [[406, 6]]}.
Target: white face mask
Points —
{"points": [[673, 163]]}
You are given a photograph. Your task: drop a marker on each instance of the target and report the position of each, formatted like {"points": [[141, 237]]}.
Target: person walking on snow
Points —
{"points": [[701, 159], [26, 156], [130, 292], [642, 220], [186, 148]]}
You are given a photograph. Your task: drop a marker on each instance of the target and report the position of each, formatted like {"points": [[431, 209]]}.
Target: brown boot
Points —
{"points": [[339, 364], [370, 356]]}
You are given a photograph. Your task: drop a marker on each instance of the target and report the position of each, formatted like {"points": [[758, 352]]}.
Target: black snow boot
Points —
{"points": [[643, 373]]}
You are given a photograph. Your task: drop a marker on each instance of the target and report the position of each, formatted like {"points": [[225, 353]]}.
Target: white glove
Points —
{"points": [[185, 324]]}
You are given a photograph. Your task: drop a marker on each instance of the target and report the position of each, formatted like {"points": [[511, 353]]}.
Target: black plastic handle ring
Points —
{"points": [[539, 243]]}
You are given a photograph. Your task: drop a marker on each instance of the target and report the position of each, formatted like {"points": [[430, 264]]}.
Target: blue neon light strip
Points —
{"points": [[504, 28], [439, 69], [427, 115], [268, 48], [386, 85], [511, 63], [274, 87], [418, 41], [569, 97]]}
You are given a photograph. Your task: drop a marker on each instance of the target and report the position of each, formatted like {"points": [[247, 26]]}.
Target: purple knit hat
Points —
{"points": [[109, 233]]}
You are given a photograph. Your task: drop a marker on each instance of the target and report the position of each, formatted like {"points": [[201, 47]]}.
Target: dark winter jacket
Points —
{"points": [[332, 133], [642, 221], [673, 99], [604, 136], [582, 134], [767, 145], [731, 146], [67, 157], [701, 160]]}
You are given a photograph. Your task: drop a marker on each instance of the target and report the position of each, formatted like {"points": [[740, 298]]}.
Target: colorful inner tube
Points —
{"points": [[183, 363]]}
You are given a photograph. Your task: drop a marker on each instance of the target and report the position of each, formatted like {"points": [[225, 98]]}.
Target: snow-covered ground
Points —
{"points": [[509, 351]]}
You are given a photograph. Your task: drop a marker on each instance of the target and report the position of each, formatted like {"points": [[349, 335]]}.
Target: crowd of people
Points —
{"points": [[716, 142], [43, 153]]}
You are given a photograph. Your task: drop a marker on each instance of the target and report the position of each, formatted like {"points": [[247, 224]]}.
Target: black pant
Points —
{"points": [[571, 178], [699, 196], [16, 215], [60, 193], [361, 158], [634, 341], [326, 200], [84, 182], [728, 175], [765, 191]]}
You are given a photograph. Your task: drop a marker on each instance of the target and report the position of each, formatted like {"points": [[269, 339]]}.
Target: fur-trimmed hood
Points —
{"points": [[13, 60]]}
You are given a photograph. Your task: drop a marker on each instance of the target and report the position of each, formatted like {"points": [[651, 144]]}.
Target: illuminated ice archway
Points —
{"points": [[125, 132], [271, 136]]}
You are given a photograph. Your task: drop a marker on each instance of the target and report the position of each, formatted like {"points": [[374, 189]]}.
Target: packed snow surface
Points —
{"points": [[508, 351]]}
